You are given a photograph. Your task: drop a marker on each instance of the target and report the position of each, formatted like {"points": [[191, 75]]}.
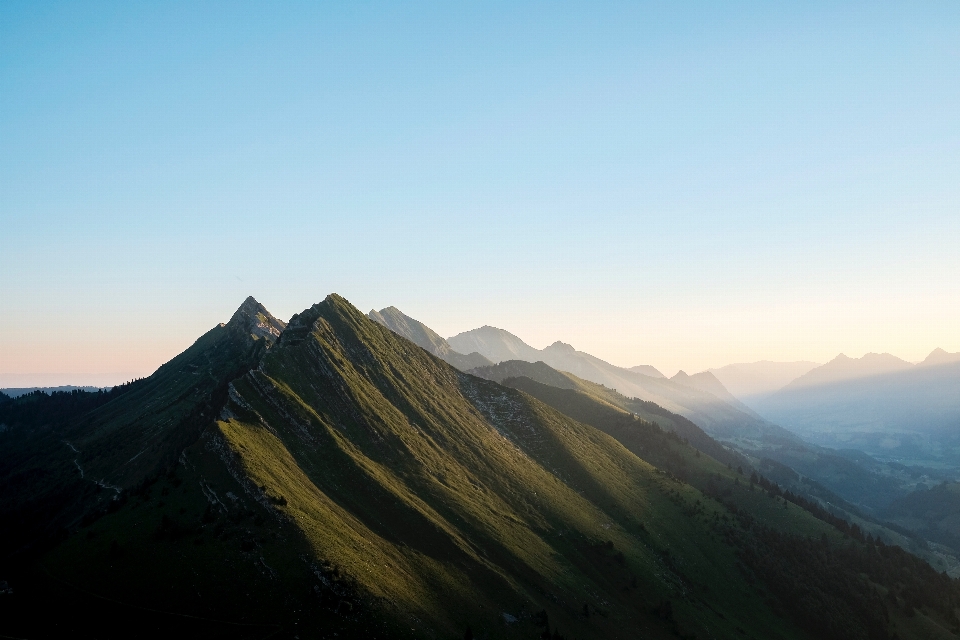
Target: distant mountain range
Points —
{"points": [[752, 381], [425, 337], [879, 404], [701, 398], [844, 368], [708, 382]]}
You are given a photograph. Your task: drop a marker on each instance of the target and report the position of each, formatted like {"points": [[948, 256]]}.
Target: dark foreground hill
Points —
{"points": [[340, 481]]}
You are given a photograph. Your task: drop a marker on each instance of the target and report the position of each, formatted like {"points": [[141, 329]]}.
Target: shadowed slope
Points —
{"points": [[52, 465]]}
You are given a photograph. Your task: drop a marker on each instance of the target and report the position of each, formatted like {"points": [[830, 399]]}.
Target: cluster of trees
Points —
{"points": [[813, 508], [832, 589], [38, 408]]}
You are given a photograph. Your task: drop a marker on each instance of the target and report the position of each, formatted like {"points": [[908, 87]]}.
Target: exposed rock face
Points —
{"points": [[253, 318]]}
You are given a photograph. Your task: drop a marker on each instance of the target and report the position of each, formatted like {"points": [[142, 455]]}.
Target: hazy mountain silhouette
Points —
{"points": [[846, 368], [495, 344], [647, 370], [700, 398], [939, 356], [425, 337], [706, 381], [879, 404], [750, 381]]}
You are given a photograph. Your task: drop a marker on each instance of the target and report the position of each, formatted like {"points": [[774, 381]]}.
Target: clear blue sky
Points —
{"points": [[679, 184]]}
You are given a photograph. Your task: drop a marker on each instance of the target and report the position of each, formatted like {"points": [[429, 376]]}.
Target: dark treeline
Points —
{"points": [[935, 508], [39, 408], [689, 432], [831, 589], [814, 508]]}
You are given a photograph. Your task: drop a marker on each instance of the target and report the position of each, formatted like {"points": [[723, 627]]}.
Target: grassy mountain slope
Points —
{"points": [[59, 465], [342, 480], [850, 481], [763, 506], [934, 513], [465, 499], [726, 420], [597, 395], [855, 490]]}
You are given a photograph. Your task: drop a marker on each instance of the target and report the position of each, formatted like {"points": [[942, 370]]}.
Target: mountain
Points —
{"points": [[647, 370], [583, 399], [706, 381], [931, 511], [848, 481], [844, 368], [722, 417], [146, 422], [754, 380], [938, 356], [337, 480], [495, 344], [425, 337], [879, 404], [499, 345]]}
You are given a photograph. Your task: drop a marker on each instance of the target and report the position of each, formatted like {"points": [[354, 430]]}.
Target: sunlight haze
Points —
{"points": [[686, 187]]}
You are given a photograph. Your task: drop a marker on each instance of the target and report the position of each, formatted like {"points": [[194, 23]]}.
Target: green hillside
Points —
{"points": [[592, 401], [341, 480]]}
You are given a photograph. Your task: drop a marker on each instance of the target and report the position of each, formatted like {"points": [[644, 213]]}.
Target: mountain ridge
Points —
{"points": [[723, 417], [843, 368], [425, 337], [338, 478]]}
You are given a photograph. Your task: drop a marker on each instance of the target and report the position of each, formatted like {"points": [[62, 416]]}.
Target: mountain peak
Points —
{"points": [[253, 318], [494, 343], [647, 370], [562, 346], [425, 337], [940, 356], [844, 367]]}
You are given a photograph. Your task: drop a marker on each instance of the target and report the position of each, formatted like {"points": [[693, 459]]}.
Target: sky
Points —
{"points": [[679, 184]]}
